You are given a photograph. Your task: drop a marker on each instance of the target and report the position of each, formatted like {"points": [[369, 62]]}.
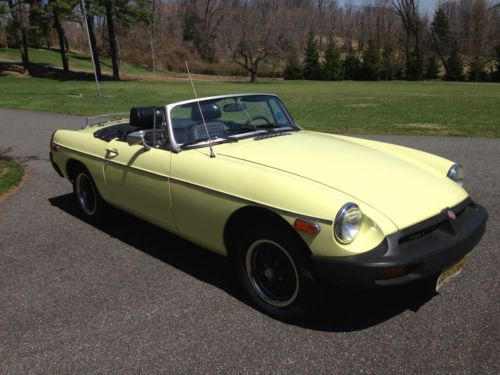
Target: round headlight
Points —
{"points": [[457, 174], [347, 223]]}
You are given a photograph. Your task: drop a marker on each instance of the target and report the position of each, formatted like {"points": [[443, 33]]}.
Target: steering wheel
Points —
{"points": [[258, 117]]}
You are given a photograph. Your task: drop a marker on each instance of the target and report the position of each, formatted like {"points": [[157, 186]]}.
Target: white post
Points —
{"points": [[90, 47]]}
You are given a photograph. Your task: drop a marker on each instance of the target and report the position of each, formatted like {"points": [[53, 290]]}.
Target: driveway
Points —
{"points": [[126, 297]]}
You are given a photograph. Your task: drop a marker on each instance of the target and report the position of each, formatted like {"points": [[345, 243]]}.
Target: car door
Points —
{"points": [[137, 181]]}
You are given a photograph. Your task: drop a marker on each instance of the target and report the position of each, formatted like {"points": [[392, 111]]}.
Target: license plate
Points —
{"points": [[450, 272]]}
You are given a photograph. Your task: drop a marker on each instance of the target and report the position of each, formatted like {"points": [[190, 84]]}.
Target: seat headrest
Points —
{"points": [[211, 111], [143, 117]]}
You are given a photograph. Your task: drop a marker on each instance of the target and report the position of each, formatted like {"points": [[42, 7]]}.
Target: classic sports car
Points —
{"points": [[296, 209]]}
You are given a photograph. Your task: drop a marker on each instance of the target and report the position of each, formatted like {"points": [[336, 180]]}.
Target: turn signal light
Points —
{"points": [[306, 226], [54, 146], [390, 272]]}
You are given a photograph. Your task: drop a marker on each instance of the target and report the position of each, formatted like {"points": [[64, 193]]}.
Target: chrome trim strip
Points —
{"points": [[216, 97], [110, 161], [81, 152], [89, 118], [213, 191], [253, 203]]}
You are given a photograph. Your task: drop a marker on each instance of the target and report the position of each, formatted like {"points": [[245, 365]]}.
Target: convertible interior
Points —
{"points": [[187, 130], [140, 119]]}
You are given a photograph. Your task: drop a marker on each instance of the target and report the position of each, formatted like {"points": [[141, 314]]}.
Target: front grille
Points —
{"points": [[419, 234], [440, 221]]}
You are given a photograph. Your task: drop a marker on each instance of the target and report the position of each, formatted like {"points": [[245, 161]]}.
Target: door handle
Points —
{"points": [[113, 151]]}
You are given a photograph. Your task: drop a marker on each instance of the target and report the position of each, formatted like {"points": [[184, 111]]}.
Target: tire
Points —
{"points": [[273, 268], [87, 197]]}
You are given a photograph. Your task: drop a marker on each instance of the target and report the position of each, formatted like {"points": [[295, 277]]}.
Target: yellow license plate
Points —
{"points": [[450, 272]]}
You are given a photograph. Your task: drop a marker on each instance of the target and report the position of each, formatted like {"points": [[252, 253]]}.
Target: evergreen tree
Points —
{"points": [[352, 67], [389, 68], [432, 68], [496, 72], [455, 71], [39, 25], [17, 25], [371, 66], [293, 70], [414, 67], [122, 13], [332, 67], [312, 67], [60, 10], [440, 27], [476, 71]]}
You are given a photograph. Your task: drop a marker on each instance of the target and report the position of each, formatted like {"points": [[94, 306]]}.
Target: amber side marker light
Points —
{"points": [[390, 272], [54, 147], [306, 226]]}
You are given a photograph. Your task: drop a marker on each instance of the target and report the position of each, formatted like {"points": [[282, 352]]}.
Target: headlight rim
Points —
{"points": [[339, 218], [452, 172]]}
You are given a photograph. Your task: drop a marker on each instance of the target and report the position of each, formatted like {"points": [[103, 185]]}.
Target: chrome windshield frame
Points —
{"points": [[176, 147]]}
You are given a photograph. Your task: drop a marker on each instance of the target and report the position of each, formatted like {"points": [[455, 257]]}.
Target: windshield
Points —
{"points": [[228, 118]]}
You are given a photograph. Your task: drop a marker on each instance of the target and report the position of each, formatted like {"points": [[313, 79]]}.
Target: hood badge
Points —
{"points": [[451, 215]]}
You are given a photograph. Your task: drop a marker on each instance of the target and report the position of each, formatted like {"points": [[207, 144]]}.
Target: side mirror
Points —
{"points": [[136, 138]]}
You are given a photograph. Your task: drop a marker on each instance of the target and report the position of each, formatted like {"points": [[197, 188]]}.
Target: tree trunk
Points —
{"points": [[93, 45], [61, 36], [151, 35], [17, 15], [113, 46], [253, 76]]}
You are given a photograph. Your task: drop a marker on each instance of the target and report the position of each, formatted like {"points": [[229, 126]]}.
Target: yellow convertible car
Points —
{"points": [[295, 209]]}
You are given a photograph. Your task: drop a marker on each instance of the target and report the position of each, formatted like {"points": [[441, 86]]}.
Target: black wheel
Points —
{"points": [[87, 196], [273, 268]]}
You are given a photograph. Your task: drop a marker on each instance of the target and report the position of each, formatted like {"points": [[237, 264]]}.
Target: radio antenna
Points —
{"points": [[212, 154]]}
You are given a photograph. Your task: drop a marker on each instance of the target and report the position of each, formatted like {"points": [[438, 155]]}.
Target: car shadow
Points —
{"points": [[341, 311]]}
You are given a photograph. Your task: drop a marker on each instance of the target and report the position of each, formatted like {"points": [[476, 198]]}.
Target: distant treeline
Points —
{"points": [[294, 39]]}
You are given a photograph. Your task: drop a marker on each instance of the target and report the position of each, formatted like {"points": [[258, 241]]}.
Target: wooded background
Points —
{"points": [[294, 39]]}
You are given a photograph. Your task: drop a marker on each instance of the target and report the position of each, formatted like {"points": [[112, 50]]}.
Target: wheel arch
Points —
{"points": [[249, 215], [73, 166]]}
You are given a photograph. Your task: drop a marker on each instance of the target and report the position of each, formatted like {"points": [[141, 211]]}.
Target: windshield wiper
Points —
{"points": [[217, 140], [276, 128], [194, 142], [241, 129]]}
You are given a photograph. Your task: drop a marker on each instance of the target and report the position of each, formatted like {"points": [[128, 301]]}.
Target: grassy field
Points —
{"points": [[77, 61], [429, 108], [11, 174]]}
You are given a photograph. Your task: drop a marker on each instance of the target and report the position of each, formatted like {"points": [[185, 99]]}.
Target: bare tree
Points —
{"points": [[254, 35], [407, 10]]}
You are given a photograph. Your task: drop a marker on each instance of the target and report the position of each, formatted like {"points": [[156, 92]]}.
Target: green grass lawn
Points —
{"points": [[459, 109], [77, 61], [11, 174]]}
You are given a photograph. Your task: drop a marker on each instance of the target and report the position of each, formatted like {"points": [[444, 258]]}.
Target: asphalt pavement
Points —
{"points": [[126, 297]]}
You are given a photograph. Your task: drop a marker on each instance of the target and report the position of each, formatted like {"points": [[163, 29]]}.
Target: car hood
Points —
{"points": [[406, 192]]}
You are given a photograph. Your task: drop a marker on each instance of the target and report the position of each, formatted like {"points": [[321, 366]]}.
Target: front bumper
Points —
{"points": [[423, 249]]}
